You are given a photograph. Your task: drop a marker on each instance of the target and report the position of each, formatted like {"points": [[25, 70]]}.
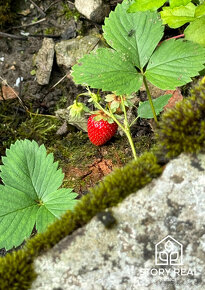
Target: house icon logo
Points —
{"points": [[168, 251]]}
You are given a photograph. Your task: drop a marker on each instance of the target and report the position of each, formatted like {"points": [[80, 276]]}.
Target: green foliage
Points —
{"points": [[176, 3], [174, 63], [30, 194], [144, 110], [177, 14], [182, 129], [195, 31], [144, 5], [170, 65]]}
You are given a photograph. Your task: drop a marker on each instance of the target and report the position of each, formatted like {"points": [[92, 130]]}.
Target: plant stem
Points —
{"points": [[150, 99], [127, 129]]}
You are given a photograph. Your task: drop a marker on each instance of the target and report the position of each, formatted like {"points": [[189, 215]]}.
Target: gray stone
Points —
{"points": [[123, 257], [95, 10], [69, 51], [44, 61]]}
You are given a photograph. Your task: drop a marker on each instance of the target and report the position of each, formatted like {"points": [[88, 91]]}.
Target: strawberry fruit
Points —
{"points": [[99, 132]]}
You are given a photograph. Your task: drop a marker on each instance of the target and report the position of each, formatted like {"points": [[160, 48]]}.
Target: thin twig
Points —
{"points": [[30, 24], [44, 35], [25, 37], [3, 34], [55, 2], [59, 81], [38, 8], [20, 101]]}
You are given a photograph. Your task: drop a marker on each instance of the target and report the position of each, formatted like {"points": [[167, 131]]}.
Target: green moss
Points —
{"points": [[50, 30], [70, 13], [7, 12], [15, 126], [182, 129]]}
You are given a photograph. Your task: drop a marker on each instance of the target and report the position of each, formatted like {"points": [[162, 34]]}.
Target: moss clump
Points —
{"points": [[182, 129], [16, 269], [16, 124], [7, 12], [68, 13]]}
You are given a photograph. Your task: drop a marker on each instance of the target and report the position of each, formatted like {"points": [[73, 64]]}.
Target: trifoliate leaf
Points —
{"points": [[174, 63], [196, 31], [200, 10], [176, 3], [135, 35], [178, 16], [109, 70], [144, 110], [144, 5], [31, 181]]}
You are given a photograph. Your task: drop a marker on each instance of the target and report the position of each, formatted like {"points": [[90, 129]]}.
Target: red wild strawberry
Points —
{"points": [[99, 132]]}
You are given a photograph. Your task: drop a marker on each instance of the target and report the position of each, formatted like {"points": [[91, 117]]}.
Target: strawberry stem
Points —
{"points": [[126, 128], [150, 99]]}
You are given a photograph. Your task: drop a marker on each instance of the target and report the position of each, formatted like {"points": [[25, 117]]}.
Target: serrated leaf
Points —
{"points": [[200, 10], [134, 38], [144, 5], [17, 216], [144, 110], [178, 16], [176, 3], [107, 69], [174, 63], [28, 167], [196, 31], [135, 35], [31, 181]]}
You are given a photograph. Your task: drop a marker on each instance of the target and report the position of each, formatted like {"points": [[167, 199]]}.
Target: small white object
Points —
{"points": [[24, 33], [18, 80], [2, 58]]}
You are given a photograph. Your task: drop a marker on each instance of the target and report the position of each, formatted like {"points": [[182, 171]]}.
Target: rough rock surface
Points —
{"points": [[123, 257], [69, 51], [94, 10], [44, 61]]}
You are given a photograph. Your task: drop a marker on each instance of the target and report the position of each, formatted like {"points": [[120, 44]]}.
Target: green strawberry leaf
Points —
{"points": [[17, 216], [200, 10], [178, 16], [195, 31], [134, 36], [176, 3], [30, 193], [144, 110], [174, 63], [144, 5], [109, 70]]}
